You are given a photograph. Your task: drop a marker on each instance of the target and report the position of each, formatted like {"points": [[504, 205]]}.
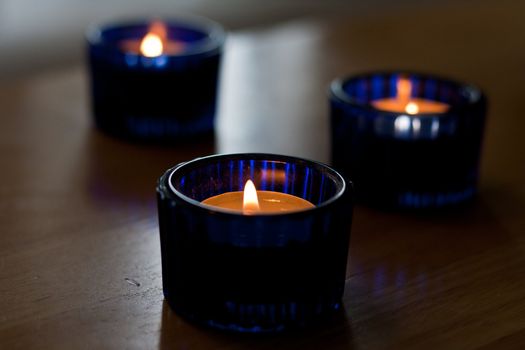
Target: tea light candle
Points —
{"points": [[251, 201], [155, 81], [276, 257], [408, 141]]}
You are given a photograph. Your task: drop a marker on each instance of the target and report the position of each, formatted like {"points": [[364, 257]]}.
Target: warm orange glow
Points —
{"points": [[405, 103], [159, 28], [253, 202], [153, 43], [250, 201], [412, 108]]}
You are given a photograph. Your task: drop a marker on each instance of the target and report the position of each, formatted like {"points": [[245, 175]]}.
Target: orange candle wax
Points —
{"points": [[404, 103], [251, 201]]}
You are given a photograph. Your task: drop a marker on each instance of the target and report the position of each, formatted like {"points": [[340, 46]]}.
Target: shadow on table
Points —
{"points": [[119, 171], [178, 334]]}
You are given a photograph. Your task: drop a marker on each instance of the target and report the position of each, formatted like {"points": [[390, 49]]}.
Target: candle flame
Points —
{"points": [[153, 43], [250, 201], [404, 89], [412, 108], [404, 92]]}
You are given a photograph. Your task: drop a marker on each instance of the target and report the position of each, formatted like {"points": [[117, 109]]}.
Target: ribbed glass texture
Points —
{"points": [[424, 161]]}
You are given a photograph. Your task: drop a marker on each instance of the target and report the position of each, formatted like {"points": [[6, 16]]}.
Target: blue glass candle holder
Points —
{"points": [[166, 98], [260, 272], [402, 161]]}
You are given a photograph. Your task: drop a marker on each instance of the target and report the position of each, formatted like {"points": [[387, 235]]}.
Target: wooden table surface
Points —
{"points": [[79, 247]]}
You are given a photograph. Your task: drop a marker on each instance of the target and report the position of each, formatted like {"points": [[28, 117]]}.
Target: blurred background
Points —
{"points": [[37, 34], [280, 57]]}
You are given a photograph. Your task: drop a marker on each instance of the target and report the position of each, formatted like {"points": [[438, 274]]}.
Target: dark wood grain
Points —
{"points": [[79, 247]]}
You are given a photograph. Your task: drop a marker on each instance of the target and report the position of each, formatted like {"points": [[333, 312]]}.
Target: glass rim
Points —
{"points": [[337, 92], [215, 34], [341, 184]]}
